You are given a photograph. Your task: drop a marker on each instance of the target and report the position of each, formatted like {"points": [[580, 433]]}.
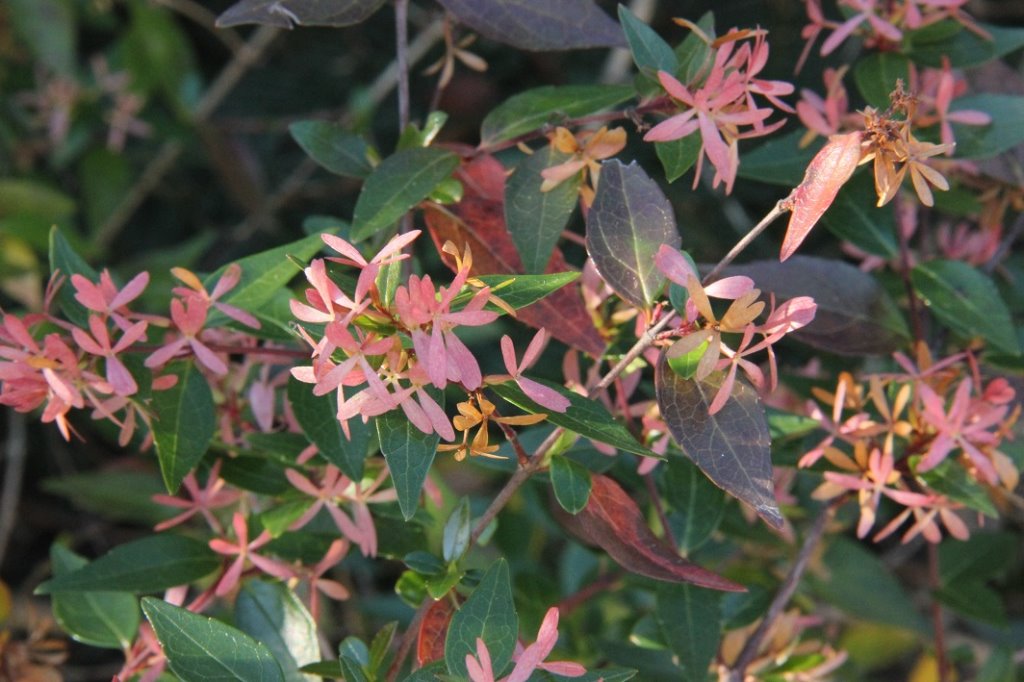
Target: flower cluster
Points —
{"points": [[720, 102], [906, 434]]}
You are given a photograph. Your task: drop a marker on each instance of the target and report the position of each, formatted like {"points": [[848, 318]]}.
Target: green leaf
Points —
{"points": [[693, 53], [158, 55], [535, 219], [685, 365], [779, 161], [691, 622], [201, 648], [148, 565], [64, 258], [184, 420], [973, 599], [273, 615], [47, 29], [105, 178], [1001, 134], [731, 446], [629, 221], [520, 291], [409, 453], [876, 76], [967, 301], [999, 667], [333, 147], [849, 568], [286, 13], [571, 482], [264, 275], [381, 644], [533, 109], [455, 539], [981, 557], [854, 217], [929, 45], [318, 417], [118, 495], [103, 619], [586, 417], [20, 197], [256, 474], [488, 614], [697, 504], [401, 181], [950, 479], [855, 315], [678, 156], [650, 52]]}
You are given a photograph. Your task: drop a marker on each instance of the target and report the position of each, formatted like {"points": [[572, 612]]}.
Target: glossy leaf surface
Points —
{"points": [[488, 614], [533, 109], [183, 424], [537, 24], [409, 453], [288, 13], [650, 51], [571, 483], [64, 258], [536, 219], [612, 521], [201, 648], [151, 564], [731, 446], [272, 614], [333, 147], [876, 75], [103, 619], [691, 620], [629, 221], [401, 181]]}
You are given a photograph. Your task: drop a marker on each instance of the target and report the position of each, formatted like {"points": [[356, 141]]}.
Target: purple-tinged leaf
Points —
{"points": [[732, 446], [539, 24], [627, 224], [288, 13], [855, 315], [613, 521]]}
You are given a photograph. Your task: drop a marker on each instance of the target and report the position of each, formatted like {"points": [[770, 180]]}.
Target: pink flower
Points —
{"points": [[105, 298], [866, 12], [243, 549], [317, 583], [538, 393], [203, 500], [527, 660], [965, 425], [391, 252], [227, 282], [99, 343], [189, 316]]}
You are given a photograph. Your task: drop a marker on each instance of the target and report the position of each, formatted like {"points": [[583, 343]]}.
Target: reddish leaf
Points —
{"points": [[433, 629], [613, 521], [479, 221]]}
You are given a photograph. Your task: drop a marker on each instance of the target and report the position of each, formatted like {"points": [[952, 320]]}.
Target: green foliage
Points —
{"points": [[184, 425], [532, 109], [536, 219], [409, 453], [489, 614], [103, 619]]}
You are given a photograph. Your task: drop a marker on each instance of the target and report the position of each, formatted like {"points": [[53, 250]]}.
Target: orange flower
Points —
{"points": [[595, 146]]}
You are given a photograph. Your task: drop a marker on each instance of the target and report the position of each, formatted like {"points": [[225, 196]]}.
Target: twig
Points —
{"points": [[747, 239], [241, 62], [402, 61], [598, 586], [14, 470], [190, 9], [785, 593]]}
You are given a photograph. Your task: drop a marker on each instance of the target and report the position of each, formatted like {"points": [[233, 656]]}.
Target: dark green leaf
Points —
{"points": [[533, 109], [184, 420], [148, 565], [264, 275], [929, 45], [693, 52], [571, 482], [1001, 134], [318, 417], [105, 178], [535, 219], [876, 76], [158, 56], [64, 258], [103, 619], [627, 224], [967, 301], [586, 417], [532, 25], [849, 568], [287, 13], [779, 161], [732, 446], [455, 539], [381, 644], [691, 622], [47, 29], [982, 557], [599, 675], [401, 181], [971, 598], [409, 453], [425, 563], [520, 291], [854, 217], [114, 494], [489, 614], [999, 667], [271, 614], [650, 52], [20, 197], [855, 315], [257, 474], [950, 479], [201, 648], [678, 156], [697, 505], [333, 147]]}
